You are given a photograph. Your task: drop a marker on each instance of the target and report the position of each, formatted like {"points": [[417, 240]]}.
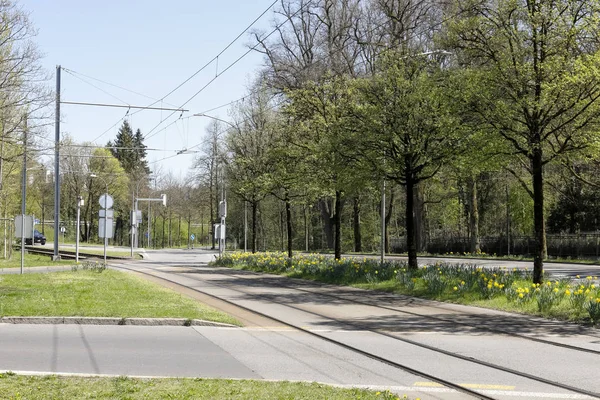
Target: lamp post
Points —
{"points": [[105, 213]]}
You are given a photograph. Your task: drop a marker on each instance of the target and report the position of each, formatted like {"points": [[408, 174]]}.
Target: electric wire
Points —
{"points": [[277, 27], [113, 85], [219, 54], [94, 86]]}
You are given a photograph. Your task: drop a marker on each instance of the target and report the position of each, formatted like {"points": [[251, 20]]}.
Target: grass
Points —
{"points": [[573, 300], [31, 260], [53, 387], [93, 293]]}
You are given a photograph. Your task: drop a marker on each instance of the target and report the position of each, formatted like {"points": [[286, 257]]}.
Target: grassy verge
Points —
{"points": [[53, 387], [510, 290], [31, 260], [97, 293]]}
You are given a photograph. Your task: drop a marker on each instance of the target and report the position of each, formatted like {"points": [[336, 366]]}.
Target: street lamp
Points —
{"points": [[105, 213]]}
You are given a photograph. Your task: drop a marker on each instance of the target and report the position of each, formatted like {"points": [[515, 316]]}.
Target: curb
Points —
{"points": [[113, 321]]}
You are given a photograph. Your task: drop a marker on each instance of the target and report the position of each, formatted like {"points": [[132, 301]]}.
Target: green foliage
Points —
{"points": [[130, 150]]}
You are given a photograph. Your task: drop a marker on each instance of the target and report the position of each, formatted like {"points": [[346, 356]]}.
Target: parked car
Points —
{"points": [[37, 238]]}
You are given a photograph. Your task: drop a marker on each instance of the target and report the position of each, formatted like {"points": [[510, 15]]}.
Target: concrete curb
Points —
{"points": [[113, 321]]}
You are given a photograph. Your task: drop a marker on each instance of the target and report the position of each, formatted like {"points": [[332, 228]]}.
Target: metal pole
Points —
{"points": [[383, 222], [23, 197], [105, 220], [2, 178], [56, 256], [137, 235], [79, 198], [148, 225], [507, 222], [245, 226], [132, 218]]}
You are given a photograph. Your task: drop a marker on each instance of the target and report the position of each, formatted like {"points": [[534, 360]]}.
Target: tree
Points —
{"points": [[248, 160], [206, 168], [323, 112], [411, 130], [110, 173], [534, 70], [130, 150]]}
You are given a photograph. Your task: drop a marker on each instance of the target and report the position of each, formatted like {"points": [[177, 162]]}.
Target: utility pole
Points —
{"points": [[3, 121], [507, 221], [23, 196], [383, 222], [56, 256]]}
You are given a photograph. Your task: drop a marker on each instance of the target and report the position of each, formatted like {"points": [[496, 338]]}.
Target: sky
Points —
{"points": [[148, 47]]}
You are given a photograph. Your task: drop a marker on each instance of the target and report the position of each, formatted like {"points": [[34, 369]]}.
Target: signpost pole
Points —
{"points": [[77, 231]]}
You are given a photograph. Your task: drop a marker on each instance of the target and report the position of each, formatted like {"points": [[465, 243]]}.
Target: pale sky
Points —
{"points": [[149, 47]]}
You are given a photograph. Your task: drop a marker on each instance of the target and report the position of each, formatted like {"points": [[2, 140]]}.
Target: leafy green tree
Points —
{"points": [[534, 70], [324, 116], [248, 160], [409, 129]]}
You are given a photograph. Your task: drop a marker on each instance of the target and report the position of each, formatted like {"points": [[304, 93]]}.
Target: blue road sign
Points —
{"points": [[192, 236]]}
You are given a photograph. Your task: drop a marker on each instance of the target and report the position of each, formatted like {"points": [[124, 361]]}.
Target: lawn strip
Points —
{"points": [[106, 293], [60, 387]]}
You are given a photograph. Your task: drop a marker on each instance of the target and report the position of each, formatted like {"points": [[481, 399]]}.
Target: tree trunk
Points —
{"points": [[356, 225], [338, 225], [306, 231], [538, 215], [288, 220], [388, 218], [475, 245], [281, 228], [254, 207], [410, 223]]}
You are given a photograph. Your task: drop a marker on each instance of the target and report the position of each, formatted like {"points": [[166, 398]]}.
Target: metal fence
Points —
{"points": [[583, 245]]}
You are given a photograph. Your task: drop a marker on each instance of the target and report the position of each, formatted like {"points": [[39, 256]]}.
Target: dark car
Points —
{"points": [[37, 238]]}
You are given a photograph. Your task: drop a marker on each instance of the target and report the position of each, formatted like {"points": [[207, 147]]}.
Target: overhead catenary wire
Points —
{"points": [[181, 84], [215, 58], [277, 27], [68, 71], [111, 84]]}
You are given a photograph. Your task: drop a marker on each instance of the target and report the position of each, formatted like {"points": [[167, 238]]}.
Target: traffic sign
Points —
{"points": [[109, 213], [192, 236], [106, 201]]}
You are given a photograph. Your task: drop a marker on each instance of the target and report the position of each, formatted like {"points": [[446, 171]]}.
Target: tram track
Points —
{"points": [[298, 283], [363, 327]]}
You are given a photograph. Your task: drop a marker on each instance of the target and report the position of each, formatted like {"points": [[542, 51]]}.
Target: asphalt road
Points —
{"points": [[268, 349]]}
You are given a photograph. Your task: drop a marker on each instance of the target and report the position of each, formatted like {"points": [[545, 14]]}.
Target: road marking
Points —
{"points": [[467, 385]]}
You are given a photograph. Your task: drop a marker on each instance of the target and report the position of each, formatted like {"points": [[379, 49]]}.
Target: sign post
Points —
{"points": [[106, 202], [79, 204]]}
